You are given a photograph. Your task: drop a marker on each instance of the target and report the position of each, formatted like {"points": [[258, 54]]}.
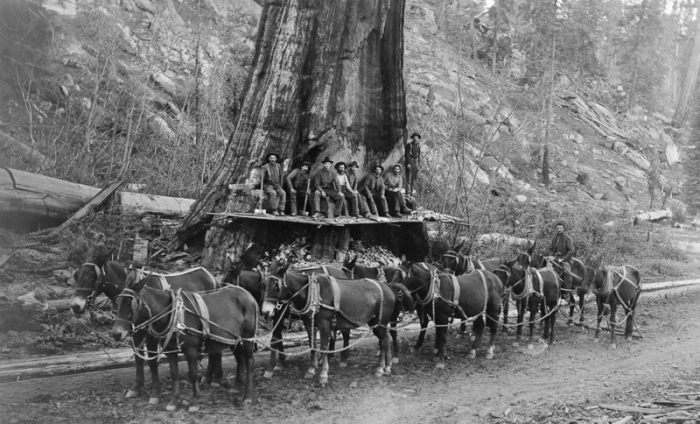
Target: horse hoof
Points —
{"points": [[268, 375], [170, 407], [387, 370], [153, 401], [343, 364], [516, 344], [471, 354], [193, 408], [132, 394], [440, 365], [613, 346], [379, 373], [395, 360], [278, 368], [323, 380], [489, 356], [530, 346], [308, 375]]}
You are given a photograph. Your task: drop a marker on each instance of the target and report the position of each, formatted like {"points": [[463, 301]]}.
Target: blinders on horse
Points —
{"points": [[97, 289], [135, 301]]}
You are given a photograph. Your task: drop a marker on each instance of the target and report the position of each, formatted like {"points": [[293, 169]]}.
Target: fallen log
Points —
{"points": [[142, 203], [653, 216], [8, 144], [497, 238]]}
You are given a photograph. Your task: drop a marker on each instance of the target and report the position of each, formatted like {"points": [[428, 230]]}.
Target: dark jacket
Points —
{"points": [[352, 179], [325, 178], [374, 184], [393, 181], [563, 247], [412, 151], [298, 179], [272, 175]]}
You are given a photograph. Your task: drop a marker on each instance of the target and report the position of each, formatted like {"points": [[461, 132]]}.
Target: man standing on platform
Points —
{"points": [[374, 191], [393, 182], [412, 161], [298, 184], [361, 201], [272, 183], [326, 186]]}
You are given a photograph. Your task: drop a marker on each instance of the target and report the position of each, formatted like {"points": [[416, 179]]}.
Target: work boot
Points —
{"points": [[316, 215], [281, 212], [406, 211], [275, 212]]}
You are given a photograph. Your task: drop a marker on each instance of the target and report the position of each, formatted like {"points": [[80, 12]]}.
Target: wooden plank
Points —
{"points": [[142, 203], [631, 409], [342, 221], [95, 203]]}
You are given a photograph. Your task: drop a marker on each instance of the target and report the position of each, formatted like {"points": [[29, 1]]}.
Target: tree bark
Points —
{"points": [[326, 79], [683, 107]]}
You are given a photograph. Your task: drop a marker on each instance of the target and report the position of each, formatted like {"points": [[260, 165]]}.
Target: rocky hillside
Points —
{"points": [[139, 82]]}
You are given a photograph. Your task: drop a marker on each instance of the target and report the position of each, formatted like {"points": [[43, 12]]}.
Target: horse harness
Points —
{"points": [[434, 292], [609, 289], [95, 290], [529, 287]]}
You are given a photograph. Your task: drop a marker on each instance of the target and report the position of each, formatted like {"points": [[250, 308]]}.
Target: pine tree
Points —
{"points": [[691, 166]]}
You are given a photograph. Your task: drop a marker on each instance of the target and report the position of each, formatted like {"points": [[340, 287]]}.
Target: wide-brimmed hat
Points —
{"points": [[327, 159], [267, 157], [305, 163], [415, 134], [354, 163], [560, 222], [378, 166], [397, 164], [337, 165]]}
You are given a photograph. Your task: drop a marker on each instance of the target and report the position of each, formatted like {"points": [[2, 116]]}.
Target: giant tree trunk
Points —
{"points": [[680, 116], [326, 79]]}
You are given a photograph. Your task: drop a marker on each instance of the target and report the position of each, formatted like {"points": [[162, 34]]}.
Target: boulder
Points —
{"points": [[520, 198], [164, 82], [620, 182]]}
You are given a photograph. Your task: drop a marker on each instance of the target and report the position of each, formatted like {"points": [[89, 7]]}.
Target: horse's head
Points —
{"points": [[89, 281], [516, 275], [128, 305], [588, 277], [403, 297], [450, 261], [275, 286], [349, 264], [526, 259], [503, 272]]}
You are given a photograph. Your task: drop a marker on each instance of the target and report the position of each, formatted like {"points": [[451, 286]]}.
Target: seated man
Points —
{"points": [[360, 201], [272, 183], [374, 189], [393, 182], [298, 182], [326, 186]]}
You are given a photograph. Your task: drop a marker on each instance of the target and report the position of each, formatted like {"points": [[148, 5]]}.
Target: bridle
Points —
{"points": [[95, 290], [282, 284], [458, 259]]}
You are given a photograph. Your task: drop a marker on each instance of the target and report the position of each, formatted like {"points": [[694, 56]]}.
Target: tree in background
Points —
{"points": [[680, 116], [691, 166]]}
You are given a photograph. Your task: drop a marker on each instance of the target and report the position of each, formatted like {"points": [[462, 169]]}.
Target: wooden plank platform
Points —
{"points": [[342, 222]]}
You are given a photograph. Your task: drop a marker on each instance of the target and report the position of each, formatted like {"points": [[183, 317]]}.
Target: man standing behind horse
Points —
{"points": [[563, 251], [272, 184]]}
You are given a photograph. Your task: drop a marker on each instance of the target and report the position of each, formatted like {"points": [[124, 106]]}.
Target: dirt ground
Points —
{"points": [[560, 383]]}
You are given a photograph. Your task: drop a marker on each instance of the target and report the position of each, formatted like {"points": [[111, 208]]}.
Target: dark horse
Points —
{"points": [[109, 277], [581, 277], [382, 273], [535, 289], [444, 296], [184, 322], [614, 286], [341, 305], [456, 263]]}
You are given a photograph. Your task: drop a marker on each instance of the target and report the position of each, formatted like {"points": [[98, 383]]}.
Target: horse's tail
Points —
{"points": [[401, 291]]}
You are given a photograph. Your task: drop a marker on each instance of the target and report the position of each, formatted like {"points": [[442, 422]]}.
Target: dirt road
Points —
{"points": [[560, 383]]}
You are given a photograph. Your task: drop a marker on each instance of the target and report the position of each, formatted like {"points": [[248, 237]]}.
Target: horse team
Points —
{"points": [[189, 313]]}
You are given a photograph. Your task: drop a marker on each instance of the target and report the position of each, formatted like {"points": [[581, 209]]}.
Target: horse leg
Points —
{"points": [[394, 343], [506, 305], [191, 354], [478, 328], [553, 319], [462, 329], [137, 385], [520, 305], [629, 324], [277, 347], [311, 333], [387, 354], [613, 338], [151, 348], [581, 301], [599, 318], [423, 325], [249, 358], [239, 354], [175, 377], [534, 305], [324, 329], [572, 308], [383, 345], [441, 321], [215, 372], [492, 323], [345, 353]]}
